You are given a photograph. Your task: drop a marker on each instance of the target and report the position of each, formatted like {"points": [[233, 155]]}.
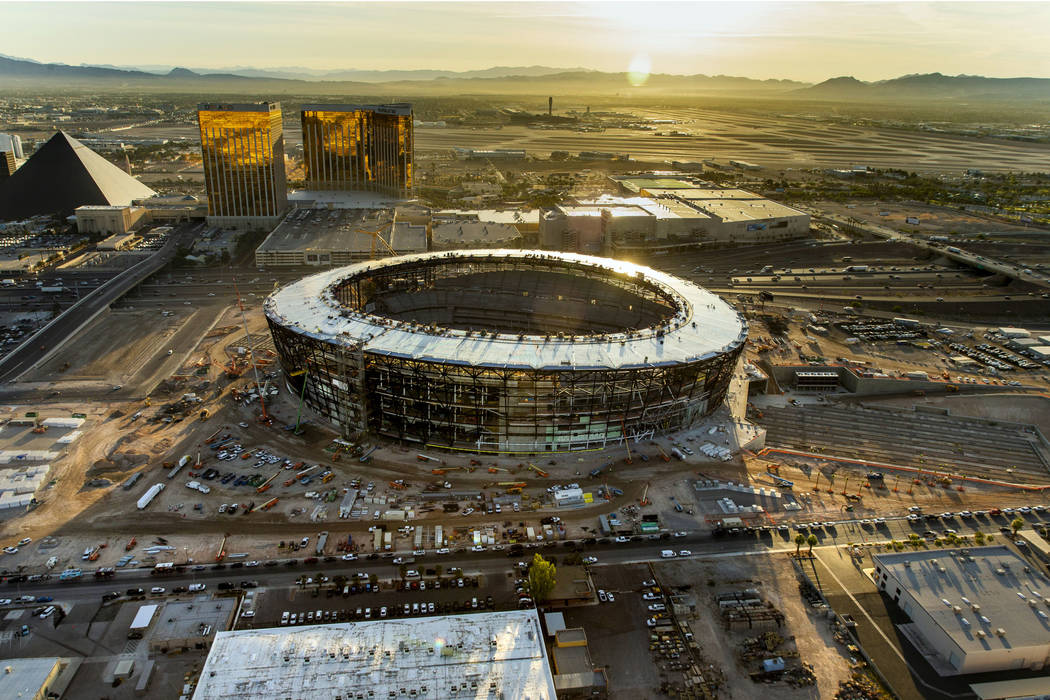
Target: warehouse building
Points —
{"points": [[664, 212], [492, 655], [974, 610]]}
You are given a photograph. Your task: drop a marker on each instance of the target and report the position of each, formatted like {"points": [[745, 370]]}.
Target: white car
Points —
{"points": [[5, 601], [621, 539], [477, 548], [349, 557], [468, 511], [251, 563], [602, 596], [657, 607], [24, 541], [685, 553], [590, 560], [680, 533], [443, 550], [651, 596], [612, 598], [248, 613], [11, 550], [157, 590]]}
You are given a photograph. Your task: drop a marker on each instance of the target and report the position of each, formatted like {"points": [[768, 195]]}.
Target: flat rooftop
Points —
{"points": [[403, 109], [324, 230], [188, 619], [993, 579], [492, 654], [706, 326], [727, 205]]}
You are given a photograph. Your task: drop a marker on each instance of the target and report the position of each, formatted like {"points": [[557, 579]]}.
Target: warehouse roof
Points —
{"points": [[704, 326], [493, 654], [973, 596]]}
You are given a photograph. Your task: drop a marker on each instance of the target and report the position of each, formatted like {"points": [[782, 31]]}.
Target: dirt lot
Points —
{"points": [[932, 220], [804, 631]]}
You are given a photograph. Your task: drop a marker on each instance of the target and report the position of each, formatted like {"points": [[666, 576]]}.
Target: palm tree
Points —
{"points": [[811, 540], [800, 540]]}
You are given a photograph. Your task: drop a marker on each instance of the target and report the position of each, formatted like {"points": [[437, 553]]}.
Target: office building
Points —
{"points": [[484, 655], [242, 146], [358, 147], [975, 610]]}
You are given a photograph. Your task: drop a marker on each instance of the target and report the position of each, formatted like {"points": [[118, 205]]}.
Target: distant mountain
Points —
{"points": [[930, 86], [27, 74]]}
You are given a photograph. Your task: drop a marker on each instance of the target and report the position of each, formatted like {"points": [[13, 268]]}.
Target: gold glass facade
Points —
{"points": [[243, 151], [358, 147]]}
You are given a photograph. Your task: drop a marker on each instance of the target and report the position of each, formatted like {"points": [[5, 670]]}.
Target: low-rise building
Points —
{"points": [[975, 610], [109, 219], [492, 654]]}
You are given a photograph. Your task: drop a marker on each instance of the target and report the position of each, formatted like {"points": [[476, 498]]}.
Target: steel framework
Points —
{"points": [[437, 398]]}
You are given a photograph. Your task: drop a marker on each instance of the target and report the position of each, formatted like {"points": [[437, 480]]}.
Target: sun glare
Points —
{"points": [[639, 69]]}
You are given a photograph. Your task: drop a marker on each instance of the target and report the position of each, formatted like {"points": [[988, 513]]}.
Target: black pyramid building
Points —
{"points": [[62, 175]]}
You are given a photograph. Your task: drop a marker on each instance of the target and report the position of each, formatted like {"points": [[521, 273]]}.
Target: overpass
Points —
{"points": [[51, 337]]}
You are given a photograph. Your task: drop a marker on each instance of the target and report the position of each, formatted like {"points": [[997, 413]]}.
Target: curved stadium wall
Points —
{"points": [[505, 350]]}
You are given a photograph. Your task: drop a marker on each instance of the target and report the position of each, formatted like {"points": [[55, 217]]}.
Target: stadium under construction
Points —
{"points": [[505, 351]]}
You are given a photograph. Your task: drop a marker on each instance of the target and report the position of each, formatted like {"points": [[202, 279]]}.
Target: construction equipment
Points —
{"points": [[626, 442], [663, 454], [376, 235], [130, 545], [644, 501], [445, 470], [302, 394], [265, 486], [494, 470], [400, 485], [269, 504], [539, 472], [211, 438], [205, 413], [244, 319], [425, 458], [512, 484], [221, 554], [780, 481], [95, 552], [513, 490]]}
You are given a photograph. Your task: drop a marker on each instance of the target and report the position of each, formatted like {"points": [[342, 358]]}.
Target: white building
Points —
{"points": [[973, 610], [483, 656], [110, 219], [12, 143]]}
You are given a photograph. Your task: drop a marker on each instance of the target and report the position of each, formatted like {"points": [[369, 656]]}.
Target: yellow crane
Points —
{"points": [[377, 236]]}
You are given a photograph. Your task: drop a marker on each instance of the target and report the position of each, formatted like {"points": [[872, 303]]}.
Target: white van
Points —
{"points": [[667, 554]]}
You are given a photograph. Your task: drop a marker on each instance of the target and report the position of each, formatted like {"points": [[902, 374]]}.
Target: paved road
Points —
{"points": [[53, 335], [497, 561]]}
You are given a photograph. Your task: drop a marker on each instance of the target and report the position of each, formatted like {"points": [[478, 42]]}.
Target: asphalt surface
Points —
{"points": [[497, 561], [53, 335]]}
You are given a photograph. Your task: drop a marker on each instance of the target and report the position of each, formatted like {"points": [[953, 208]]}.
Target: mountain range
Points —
{"points": [[531, 80]]}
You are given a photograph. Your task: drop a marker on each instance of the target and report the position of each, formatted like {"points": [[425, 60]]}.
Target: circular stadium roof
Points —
{"points": [[702, 326]]}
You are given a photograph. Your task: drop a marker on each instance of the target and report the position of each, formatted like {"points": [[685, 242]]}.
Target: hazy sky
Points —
{"points": [[803, 41]]}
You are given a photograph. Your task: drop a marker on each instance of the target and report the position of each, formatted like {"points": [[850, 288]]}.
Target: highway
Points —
{"points": [[277, 574], [65, 325]]}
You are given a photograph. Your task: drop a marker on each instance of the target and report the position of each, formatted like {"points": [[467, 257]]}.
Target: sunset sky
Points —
{"points": [[801, 41]]}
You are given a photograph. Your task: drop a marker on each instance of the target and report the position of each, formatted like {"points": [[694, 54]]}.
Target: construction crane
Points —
{"points": [[645, 496], [445, 470], [265, 486], [626, 442], [302, 394], [494, 470], [255, 369], [221, 554], [663, 454], [377, 235], [539, 472], [269, 504]]}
